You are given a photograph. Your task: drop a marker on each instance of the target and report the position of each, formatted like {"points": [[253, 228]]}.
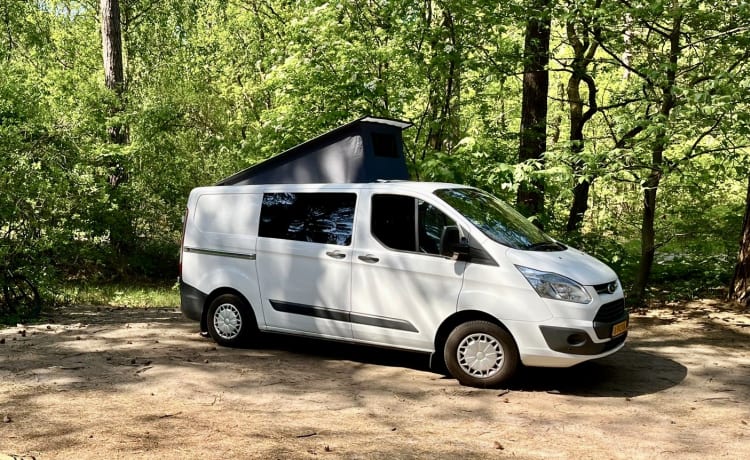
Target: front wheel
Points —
{"points": [[231, 322], [481, 354]]}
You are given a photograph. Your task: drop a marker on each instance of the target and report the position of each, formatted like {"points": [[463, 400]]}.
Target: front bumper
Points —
{"points": [[577, 341], [563, 341]]}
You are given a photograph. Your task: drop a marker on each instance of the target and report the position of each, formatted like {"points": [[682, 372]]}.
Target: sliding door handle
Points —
{"points": [[336, 254], [369, 258]]}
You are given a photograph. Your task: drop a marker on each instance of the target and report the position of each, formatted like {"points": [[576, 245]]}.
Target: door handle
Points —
{"points": [[336, 254], [369, 258]]}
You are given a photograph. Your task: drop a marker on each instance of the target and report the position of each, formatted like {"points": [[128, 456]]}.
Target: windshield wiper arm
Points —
{"points": [[547, 246]]}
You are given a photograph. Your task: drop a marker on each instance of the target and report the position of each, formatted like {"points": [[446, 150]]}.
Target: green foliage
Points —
{"points": [[213, 87], [131, 294]]}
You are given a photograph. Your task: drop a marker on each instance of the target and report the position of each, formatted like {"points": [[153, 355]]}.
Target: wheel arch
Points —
{"points": [[450, 323], [219, 292]]}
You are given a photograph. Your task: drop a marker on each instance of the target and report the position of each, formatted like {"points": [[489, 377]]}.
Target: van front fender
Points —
{"points": [[507, 304]]}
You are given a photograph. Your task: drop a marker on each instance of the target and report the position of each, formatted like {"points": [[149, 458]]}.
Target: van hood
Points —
{"points": [[571, 263]]}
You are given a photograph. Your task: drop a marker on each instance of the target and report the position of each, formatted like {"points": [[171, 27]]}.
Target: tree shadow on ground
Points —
{"points": [[631, 372], [628, 373]]}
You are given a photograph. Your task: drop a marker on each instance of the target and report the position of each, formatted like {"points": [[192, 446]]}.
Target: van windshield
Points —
{"points": [[498, 220]]}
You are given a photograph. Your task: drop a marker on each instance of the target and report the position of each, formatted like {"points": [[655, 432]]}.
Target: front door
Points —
{"points": [[404, 284], [304, 262]]}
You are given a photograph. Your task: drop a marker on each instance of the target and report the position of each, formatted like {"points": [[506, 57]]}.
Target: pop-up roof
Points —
{"points": [[364, 150]]}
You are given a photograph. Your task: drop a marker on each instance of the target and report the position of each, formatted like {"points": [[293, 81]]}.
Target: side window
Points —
{"points": [[393, 221], [405, 223], [314, 217], [431, 224]]}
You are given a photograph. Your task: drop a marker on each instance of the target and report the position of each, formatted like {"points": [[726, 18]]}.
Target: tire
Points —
{"points": [[481, 354], [231, 322]]}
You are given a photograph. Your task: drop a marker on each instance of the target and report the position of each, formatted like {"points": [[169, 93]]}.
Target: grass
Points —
{"points": [[123, 294]]}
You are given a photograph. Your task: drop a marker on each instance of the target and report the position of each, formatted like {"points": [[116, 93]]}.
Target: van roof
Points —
{"points": [[384, 185], [360, 151]]}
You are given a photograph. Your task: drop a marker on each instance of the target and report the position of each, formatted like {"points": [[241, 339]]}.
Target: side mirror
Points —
{"points": [[452, 245]]}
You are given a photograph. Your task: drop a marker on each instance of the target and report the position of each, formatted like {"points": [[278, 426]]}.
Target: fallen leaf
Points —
{"points": [[7, 419]]}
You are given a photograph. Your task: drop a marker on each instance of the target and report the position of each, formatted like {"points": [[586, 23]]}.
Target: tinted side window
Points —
{"points": [[431, 224], [315, 217], [408, 224], [393, 223]]}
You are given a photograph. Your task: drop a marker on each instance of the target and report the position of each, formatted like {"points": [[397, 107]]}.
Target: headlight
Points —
{"points": [[554, 286]]}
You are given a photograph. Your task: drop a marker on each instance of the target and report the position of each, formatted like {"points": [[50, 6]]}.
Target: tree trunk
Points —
{"points": [[114, 78], [120, 224], [651, 185], [581, 188], [739, 289], [444, 103], [648, 232], [584, 51], [533, 132]]}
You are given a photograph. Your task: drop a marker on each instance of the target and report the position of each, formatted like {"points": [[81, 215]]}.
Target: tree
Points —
{"points": [[114, 77], [580, 38], [444, 76], [120, 224], [533, 132], [680, 104], [739, 289], [666, 90]]}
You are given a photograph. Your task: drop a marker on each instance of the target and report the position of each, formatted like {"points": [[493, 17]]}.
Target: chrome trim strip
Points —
{"points": [[342, 315], [210, 252]]}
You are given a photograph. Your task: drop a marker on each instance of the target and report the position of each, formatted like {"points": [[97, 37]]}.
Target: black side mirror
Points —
{"points": [[452, 245]]}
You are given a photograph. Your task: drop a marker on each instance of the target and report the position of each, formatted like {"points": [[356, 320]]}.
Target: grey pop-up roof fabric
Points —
{"points": [[364, 150]]}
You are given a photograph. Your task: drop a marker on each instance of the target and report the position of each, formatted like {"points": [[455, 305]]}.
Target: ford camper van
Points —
{"points": [[438, 268]]}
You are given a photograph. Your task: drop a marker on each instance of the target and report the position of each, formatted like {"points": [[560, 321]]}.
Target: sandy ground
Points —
{"points": [[134, 383]]}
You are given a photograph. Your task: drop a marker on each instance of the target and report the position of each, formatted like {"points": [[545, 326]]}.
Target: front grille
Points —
{"points": [[610, 312]]}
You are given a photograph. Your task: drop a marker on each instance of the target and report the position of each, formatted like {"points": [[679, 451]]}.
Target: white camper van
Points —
{"points": [[438, 268]]}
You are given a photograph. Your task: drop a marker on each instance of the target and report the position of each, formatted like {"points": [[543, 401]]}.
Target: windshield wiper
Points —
{"points": [[547, 246]]}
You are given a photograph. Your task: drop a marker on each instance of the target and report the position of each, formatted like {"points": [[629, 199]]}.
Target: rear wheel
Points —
{"points": [[231, 322], [481, 354]]}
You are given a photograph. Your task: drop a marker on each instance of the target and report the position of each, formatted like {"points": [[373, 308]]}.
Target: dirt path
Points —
{"points": [[124, 383]]}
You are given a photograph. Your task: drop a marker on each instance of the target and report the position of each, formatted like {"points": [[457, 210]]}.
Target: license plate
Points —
{"points": [[619, 328]]}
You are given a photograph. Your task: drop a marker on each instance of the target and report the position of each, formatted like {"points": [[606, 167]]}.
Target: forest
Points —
{"points": [[621, 127]]}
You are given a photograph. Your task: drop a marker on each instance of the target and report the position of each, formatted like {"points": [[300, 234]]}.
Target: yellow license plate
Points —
{"points": [[619, 328]]}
